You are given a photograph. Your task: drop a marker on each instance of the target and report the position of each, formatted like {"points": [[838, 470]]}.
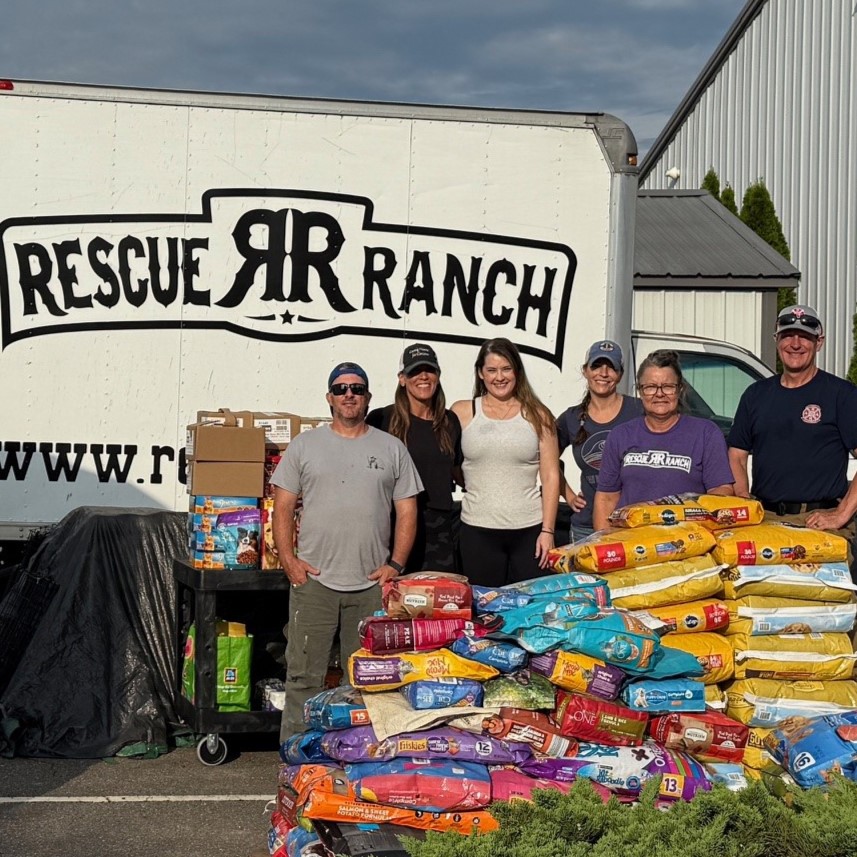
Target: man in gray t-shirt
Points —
{"points": [[349, 476]]}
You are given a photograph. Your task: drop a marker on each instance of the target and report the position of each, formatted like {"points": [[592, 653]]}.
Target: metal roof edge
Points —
{"points": [[709, 70]]}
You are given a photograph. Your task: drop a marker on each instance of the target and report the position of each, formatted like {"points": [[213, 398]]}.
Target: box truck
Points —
{"points": [[168, 252]]}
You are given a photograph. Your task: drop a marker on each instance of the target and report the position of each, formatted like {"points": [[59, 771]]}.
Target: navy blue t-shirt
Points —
{"points": [[799, 437]]}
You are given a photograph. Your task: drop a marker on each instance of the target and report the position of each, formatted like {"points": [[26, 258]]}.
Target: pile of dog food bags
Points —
{"points": [[654, 650]]}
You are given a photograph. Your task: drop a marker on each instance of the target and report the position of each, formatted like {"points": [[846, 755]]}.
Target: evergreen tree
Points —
{"points": [[727, 197], [711, 183], [758, 212]]}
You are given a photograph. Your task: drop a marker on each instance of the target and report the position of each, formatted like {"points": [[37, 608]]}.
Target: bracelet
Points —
{"points": [[551, 532], [396, 566]]}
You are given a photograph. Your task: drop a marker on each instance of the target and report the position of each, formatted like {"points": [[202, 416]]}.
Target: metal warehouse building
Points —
{"points": [[777, 101]]}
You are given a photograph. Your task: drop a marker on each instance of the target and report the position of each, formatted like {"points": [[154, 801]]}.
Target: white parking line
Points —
{"points": [[135, 799]]}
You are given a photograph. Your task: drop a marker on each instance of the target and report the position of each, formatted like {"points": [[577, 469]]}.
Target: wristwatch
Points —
{"points": [[396, 566]]}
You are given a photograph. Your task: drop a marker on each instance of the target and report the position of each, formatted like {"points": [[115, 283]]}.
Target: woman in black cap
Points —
{"points": [[432, 434], [584, 427]]}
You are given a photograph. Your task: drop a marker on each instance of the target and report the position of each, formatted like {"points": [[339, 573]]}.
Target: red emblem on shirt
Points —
{"points": [[811, 414]]}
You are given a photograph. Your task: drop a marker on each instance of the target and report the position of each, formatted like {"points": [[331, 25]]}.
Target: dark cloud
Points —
{"points": [[633, 58]]}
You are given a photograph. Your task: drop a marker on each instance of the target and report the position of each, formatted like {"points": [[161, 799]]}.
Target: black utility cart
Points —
{"points": [[255, 597]]}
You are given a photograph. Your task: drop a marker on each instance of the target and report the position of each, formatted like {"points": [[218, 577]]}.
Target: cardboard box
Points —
{"points": [[228, 436], [281, 427], [244, 478], [308, 423]]}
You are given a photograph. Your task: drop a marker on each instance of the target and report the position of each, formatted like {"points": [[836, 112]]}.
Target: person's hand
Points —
{"points": [[297, 571], [744, 495], [383, 574], [544, 543], [578, 502], [827, 519]]}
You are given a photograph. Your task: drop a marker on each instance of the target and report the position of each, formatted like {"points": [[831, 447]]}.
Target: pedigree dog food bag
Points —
{"points": [[712, 511], [767, 702], [675, 582], [761, 615], [791, 657], [612, 550], [773, 544], [695, 617], [828, 581], [713, 652]]}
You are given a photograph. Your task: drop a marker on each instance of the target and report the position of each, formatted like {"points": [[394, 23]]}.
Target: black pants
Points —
{"points": [[499, 557], [435, 545]]}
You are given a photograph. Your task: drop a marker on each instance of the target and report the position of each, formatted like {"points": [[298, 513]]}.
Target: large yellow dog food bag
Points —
{"points": [[695, 617], [768, 702], [772, 544], [710, 510], [762, 615], [675, 582], [713, 651], [792, 657], [612, 550], [827, 581]]}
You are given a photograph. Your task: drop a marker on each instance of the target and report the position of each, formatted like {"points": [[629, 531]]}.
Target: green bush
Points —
{"points": [[720, 823]]}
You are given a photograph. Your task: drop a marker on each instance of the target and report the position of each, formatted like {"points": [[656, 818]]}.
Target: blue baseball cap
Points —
{"points": [[608, 350], [347, 369]]}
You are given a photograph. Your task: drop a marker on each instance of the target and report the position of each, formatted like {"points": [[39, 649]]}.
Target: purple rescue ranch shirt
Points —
{"points": [[644, 465]]}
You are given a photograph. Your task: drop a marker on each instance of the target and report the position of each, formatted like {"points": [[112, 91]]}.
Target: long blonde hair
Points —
{"points": [[533, 410]]}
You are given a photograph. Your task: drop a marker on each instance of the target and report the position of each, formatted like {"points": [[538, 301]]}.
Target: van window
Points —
{"points": [[715, 384]]}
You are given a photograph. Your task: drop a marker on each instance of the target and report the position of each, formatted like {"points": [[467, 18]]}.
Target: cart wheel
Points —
{"points": [[211, 750]]}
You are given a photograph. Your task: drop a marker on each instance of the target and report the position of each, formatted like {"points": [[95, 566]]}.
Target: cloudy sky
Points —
{"points": [[633, 58]]}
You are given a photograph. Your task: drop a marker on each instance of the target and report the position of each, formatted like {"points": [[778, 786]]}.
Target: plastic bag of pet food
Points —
{"points": [[239, 532], [508, 784], [727, 774], [504, 657], [756, 753], [520, 689], [715, 698], [570, 585], [277, 834], [432, 785], [536, 728], [767, 702], [304, 748], [670, 663], [549, 613], [695, 617], [382, 635], [303, 843], [707, 736], [328, 807], [443, 693], [388, 672], [760, 615], [773, 544], [613, 550], [710, 510], [829, 581], [713, 651], [667, 583], [303, 779], [599, 721], [813, 749], [579, 673], [625, 770], [428, 595], [616, 638], [662, 695], [337, 708], [792, 657], [362, 745], [364, 840]]}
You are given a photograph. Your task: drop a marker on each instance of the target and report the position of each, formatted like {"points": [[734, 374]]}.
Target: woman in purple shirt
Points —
{"points": [[663, 452]]}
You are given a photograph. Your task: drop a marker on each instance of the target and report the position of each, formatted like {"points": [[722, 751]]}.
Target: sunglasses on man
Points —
{"points": [[342, 389], [806, 321]]}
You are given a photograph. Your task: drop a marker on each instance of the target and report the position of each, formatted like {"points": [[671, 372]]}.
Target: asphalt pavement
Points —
{"points": [[172, 806]]}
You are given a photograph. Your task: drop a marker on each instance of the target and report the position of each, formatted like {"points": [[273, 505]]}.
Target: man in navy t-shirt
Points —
{"points": [[800, 427]]}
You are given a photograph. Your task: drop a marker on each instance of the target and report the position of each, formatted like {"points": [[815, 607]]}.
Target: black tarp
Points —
{"points": [[99, 670]]}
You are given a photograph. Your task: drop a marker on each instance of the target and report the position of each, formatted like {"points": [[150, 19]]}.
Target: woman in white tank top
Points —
{"points": [[509, 445]]}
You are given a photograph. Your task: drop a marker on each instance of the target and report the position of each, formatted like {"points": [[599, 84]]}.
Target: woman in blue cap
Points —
{"points": [[584, 427], [418, 417]]}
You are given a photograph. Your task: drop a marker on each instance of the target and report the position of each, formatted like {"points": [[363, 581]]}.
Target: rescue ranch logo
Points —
{"points": [[282, 265]]}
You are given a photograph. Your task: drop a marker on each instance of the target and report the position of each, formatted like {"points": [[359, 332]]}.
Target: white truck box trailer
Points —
{"points": [[168, 252]]}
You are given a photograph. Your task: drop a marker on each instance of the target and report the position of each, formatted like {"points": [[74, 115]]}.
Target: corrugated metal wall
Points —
{"points": [[727, 315], [783, 108]]}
